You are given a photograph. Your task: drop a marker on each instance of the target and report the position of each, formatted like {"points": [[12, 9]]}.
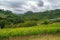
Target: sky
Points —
{"points": [[21, 6]]}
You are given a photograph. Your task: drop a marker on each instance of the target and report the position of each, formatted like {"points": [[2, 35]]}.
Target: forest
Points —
{"points": [[8, 19]]}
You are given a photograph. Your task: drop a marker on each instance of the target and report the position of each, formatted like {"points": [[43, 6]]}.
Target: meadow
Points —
{"points": [[34, 30]]}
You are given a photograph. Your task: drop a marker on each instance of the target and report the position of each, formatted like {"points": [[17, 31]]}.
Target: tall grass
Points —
{"points": [[24, 31]]}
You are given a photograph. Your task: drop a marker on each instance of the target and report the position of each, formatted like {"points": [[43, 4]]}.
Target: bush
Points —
{"points": [[28, 23], [45, 22], [9, 26]]}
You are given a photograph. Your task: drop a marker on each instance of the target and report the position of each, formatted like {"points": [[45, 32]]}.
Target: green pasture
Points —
{"points": [[35, 30]]}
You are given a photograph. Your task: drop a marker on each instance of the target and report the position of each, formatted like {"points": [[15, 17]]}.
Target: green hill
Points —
{"points": [[9, 19]]}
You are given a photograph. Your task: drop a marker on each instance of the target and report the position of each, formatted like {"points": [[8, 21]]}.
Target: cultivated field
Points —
{"points": [[27, 31]]}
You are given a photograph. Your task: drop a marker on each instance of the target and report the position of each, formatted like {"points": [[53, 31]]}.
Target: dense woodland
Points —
{"points": [[10, 20]]}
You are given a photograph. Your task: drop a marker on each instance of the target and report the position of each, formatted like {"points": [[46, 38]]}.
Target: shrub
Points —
{"points": [[45, 22], [28, 23]]}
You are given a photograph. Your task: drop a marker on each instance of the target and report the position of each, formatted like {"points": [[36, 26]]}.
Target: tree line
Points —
{"points": [[10, 20]]}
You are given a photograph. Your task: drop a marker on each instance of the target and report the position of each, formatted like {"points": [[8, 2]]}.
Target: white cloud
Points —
{"points": [[21, 6]]}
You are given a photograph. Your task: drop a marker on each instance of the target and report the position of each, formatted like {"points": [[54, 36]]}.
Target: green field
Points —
{"points": [[24, 31]]}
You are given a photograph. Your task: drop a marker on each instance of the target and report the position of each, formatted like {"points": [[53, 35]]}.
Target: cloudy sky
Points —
{"points": [[21, 6]]}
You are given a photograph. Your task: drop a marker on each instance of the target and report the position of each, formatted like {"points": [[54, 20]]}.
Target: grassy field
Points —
{"points": [[35, 30]]}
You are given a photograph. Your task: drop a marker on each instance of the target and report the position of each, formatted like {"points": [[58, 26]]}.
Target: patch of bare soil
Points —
{"points": [[36, 37]]}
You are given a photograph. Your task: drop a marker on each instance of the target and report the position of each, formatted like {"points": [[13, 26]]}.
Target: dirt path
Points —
{"points": [[35, 37]]}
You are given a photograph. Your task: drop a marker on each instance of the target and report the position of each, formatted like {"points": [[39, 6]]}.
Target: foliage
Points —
{"points": [[7, 17], [42, 29], [28, 24]]}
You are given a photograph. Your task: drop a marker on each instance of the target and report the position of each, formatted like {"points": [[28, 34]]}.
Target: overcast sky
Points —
{"points": [[21, 6]]}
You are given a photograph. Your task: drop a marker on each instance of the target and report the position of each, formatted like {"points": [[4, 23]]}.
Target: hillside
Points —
{"points": [[30, 25], [43, 15], [9, 19]]}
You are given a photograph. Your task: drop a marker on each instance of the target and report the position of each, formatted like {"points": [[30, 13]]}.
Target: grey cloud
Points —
{"points": [[40, 3], [20, 6]]}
